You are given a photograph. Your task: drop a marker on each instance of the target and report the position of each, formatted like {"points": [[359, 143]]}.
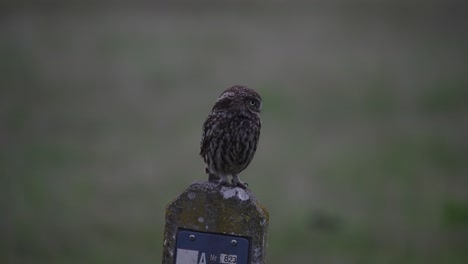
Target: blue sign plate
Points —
{"points": [[203, 248]]}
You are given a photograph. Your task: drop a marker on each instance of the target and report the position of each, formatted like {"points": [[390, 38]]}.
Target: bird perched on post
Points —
{"points": [[230, 134]]}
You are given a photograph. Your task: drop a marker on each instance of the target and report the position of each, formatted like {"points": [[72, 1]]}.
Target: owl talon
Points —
{"points": [[223, 184], [242, 185], [213, 178], [219, 180], [236, 182]]}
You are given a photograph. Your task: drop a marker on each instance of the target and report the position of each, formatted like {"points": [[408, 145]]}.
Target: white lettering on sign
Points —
{"points": [[202, 258], [186, 256], [227, 259], [213, 258]]}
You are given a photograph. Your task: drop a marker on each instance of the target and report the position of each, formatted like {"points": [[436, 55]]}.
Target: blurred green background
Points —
{"points": [[363, 156]]}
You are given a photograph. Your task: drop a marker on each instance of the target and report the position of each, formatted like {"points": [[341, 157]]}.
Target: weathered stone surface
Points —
{"points": [[206, 207]]}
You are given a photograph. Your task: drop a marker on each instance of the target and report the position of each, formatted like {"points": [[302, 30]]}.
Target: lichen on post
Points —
{"points": [[206, 207]]}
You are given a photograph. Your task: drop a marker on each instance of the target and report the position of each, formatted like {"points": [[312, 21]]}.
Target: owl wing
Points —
{"points": [[207, 135]]}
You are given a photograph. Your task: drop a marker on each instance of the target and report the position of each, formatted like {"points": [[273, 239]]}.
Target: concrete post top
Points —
{"points": [[207, 207]]}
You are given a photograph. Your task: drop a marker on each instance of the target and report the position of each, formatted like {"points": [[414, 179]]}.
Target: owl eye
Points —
{"points": [[252, 102]]}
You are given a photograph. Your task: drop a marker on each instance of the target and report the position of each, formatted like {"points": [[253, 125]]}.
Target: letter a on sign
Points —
{"points": [[202, 258]]}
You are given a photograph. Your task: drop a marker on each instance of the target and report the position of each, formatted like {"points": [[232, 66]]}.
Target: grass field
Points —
{"points": [[363, 156]]}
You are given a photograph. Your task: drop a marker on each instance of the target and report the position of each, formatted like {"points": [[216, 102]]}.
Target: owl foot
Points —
{"points": [[242, 185], [213, 178], [219, 180], [222, 184], [236, 182]]}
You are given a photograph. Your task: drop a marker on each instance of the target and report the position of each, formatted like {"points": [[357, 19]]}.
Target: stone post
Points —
{"points": [[215, 214]]}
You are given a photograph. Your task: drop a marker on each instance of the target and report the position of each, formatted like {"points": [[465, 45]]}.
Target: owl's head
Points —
{"points": [[241, 98]]}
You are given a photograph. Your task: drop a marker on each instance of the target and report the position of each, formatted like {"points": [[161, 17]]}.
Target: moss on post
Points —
{"points": [[205, 207]]}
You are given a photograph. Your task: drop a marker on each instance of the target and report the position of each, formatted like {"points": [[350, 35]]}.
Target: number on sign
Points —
{"points": [[228, 259]]}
